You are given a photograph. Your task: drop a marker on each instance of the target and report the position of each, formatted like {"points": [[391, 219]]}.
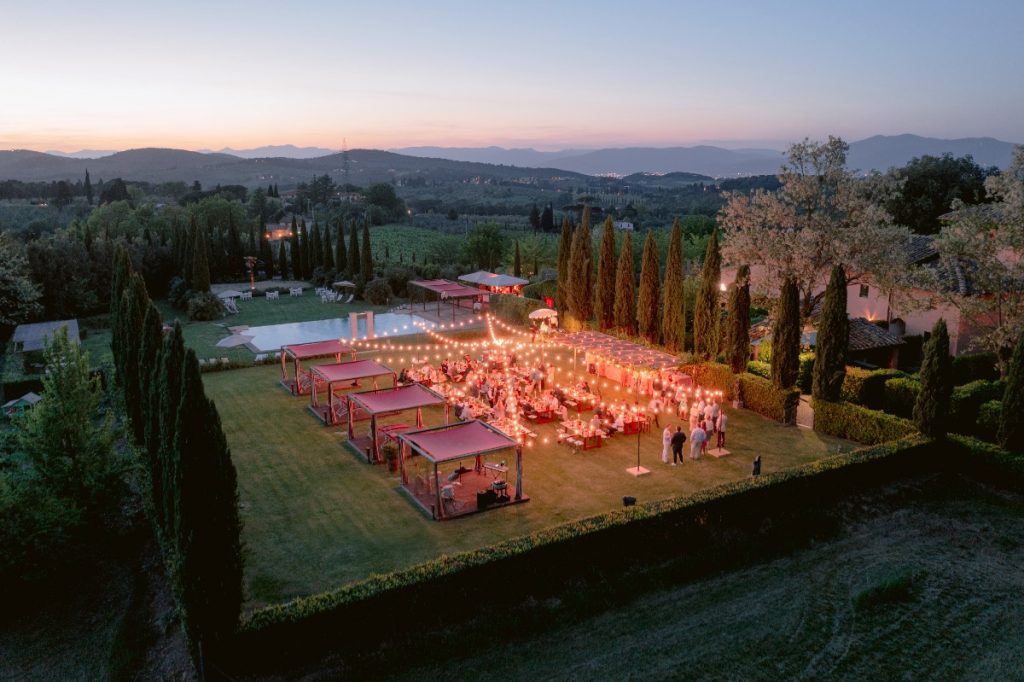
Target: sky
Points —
{"points": [[548, 75]]}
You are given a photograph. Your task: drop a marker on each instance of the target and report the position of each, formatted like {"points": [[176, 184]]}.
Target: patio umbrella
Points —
{"points": [[344, 284], [543, 313], [230, 293]]}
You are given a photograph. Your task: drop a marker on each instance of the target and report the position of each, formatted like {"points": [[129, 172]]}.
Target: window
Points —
{"points": [[863, 290]]}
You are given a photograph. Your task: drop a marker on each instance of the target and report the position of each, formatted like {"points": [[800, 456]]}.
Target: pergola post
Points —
{"points": [[437, 491], [373, 439], [351, 425], [519, 472], [330, 403]]}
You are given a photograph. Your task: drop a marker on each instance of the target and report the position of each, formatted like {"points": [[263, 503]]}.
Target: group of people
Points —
{"points": [[706, 420]]}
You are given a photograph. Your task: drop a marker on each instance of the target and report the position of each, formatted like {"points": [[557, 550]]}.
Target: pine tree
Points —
{"points": [[353, 252], [625, 287], [1011, 421], [168, 388], [738, 344], [134, 302], [833, 340], [647, 308], [87, 187], [517, 265], [366, 260], [564, 252], [786, 336], [706, 314], [282, 260], [673, 329], [200, 265], [604, 293], [581, 297], [207, 522], [328, 257], [340, 256], [931, 411]]}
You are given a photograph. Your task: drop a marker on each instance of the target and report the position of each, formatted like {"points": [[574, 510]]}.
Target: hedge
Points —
{"points": [[968, 368], [761, 396], [538, 290], [900, 395], [989, 414], [987, 462], [761, 369], [805, 373], [966, 401], [845, 420], [714, 375], [867, 387], [587, 559], [514, 309]]}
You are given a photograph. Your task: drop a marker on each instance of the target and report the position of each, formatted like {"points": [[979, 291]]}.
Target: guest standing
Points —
{"points": [[722, 421], [666, 443], [697, 438], [678, 438]]}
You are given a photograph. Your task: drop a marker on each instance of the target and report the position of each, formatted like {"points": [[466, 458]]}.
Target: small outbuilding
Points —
{"points": [[19, 406], [32, 337]]}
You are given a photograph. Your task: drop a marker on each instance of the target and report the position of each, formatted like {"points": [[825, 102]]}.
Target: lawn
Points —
{"points": [[317, 516]]}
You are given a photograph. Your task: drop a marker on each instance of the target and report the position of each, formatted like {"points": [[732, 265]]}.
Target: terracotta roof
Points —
{"points": [[866, 335], [920, 247]]}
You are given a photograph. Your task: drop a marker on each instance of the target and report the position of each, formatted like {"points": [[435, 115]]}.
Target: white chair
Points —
{"points": [[295, 291], [273, 295]]}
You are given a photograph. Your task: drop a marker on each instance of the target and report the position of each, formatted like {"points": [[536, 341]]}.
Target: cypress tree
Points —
{"points": [[87, 187], [366, 264], [304, 251], [517, 265], [706, 315], [340, 257], [581, 297], [251, 249], [149, 379], [833, 340], [1011, 420], [328, 259], [135, 302], [207, 522], [353, 251], [647, 308], [266, 255], [931, 411], [786, 336], [673, 329], [317, 254], [564, 253], [122, 271], [165, 484], [189, 255], [200, 265], [625, 287], [234, 252], [604, 298], [295, 252], [739, 321], [282, 260]]}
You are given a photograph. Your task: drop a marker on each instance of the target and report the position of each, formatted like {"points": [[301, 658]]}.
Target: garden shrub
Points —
{"points": [[805, 373], [966, 401], [760, 395], [377, 291], [713, 375], [989, 414], [853, 422], [968, 368], [900, 396], [761, 369], [205, 306], [514, 309], [867, 387], [538, 290]]}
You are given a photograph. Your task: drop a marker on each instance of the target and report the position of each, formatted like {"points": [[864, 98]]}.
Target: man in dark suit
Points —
{"points": [[678, 438]]}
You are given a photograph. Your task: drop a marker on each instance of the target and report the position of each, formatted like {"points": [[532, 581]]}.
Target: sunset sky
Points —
{"points": [[114, 75]]}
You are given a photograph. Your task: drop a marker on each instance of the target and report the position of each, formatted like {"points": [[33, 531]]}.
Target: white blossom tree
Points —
{"points": [[822, 215]]}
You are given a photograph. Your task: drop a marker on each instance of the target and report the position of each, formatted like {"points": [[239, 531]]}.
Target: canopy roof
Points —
{"points": [[344, 284], [230, 293], [445, 288], [618, 351], [350, 371], [455, 441], [543, 313], [316, 349], [29, 337], [491, 279], [396, 399]]}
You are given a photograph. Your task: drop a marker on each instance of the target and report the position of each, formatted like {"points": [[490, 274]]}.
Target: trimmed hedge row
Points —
{"points": [[679, 537], [867, 387], [761, 369], [900, 395], [846, 420], [715, 375], [979, 366], [989, 415], [514, 309], [761, 396], [805, 372]]}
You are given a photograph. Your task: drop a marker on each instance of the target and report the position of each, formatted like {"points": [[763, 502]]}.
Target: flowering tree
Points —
{"points": [[983, 248], [822, 215]]}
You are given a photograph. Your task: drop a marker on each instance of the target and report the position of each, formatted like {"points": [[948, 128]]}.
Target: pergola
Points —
{"points": [[495, 283], [445, 290], [460, 492], [389, 401], [298, 352], [624, 357], [341, 373]]}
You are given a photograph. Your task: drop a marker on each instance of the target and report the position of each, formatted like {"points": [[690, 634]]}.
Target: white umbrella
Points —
{"points": [[543, 313], [344, 284]]}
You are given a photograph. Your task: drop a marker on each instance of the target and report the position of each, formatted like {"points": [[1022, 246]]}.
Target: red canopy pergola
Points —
{"points": [[300, 384], [451, 443], [342, 372], [445, 290], [390, 401]]}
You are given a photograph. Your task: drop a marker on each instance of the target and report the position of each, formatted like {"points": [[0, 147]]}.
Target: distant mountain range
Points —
{"points": [[287, 164]]}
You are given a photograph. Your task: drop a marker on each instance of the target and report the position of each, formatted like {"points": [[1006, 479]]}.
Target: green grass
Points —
{"points": [[317, 516]]}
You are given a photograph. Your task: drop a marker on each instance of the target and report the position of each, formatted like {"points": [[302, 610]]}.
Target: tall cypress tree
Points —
{"points": [[340, 257], [833, 340], [931, 411], [190, 252], [564, 253], [738, 345], [234, 253], [200, 265], [673, 331], [317, 256], [1011, 421], [165, 484], [251, 249], [328, 258], [353, 252], [135, 301], [625, 287], [267, 256], [366, 256], [786, 336], [87, 187], [149, 378], [581, 297], [706, 315], [647, 307], [604, 296], [282, 260], [304, 251], [122, 272], [517, 264], [207, 522]]}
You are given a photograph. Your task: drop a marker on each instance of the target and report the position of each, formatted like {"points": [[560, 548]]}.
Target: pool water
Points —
{"points": [[271, 337]]}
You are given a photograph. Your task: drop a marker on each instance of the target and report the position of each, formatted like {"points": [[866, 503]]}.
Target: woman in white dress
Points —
{"points": [[666, 443]]}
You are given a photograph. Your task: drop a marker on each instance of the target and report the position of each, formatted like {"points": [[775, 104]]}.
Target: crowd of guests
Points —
{"points": [[706, 420]]}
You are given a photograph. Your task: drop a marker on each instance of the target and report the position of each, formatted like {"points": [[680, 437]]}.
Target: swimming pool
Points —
{"points": [[271, 337]]}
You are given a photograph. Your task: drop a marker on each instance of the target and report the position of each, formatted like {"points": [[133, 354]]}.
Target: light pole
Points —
{"points": [[637, 470]]}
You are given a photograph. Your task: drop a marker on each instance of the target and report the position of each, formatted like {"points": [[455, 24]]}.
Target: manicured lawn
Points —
{"points": [[317, 516]]}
